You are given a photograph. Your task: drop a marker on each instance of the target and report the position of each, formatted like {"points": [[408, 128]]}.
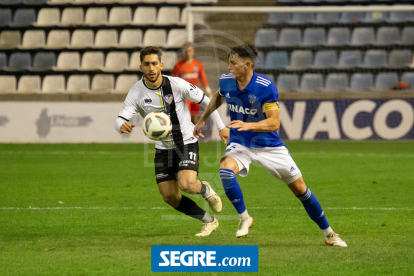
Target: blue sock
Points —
{"points": [[232, 189], [314, 209]]}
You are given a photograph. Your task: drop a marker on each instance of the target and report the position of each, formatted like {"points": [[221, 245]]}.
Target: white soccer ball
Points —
{"points": [[157, 125]]}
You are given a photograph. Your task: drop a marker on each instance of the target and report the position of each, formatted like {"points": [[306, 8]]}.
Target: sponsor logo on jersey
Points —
{"points": [[190, 76], [168, 98], [252, 99], [147, 101], [240, 109]]}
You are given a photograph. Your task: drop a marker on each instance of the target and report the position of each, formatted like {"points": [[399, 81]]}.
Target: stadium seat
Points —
{"points": [[388, 36], [351, 17], [120, 16], [48, 17], [265, 37], [96, 16], [314, 36], [327, 17], [260, 61], [125, 82], [311, 82], [325, 59], [44, 61], [58, 39], [5, 17], [287, 82], [135, 61], [350, 59], [10, 39], [11, 2], [29, 84], [116, 61], [169, 58], [92, 61], [106, 38], [363, 36], [7, 84], [338, 36], [375, 59], [278, 17], [24, 17], [3, 61], [19, 61], [386, 81], [336, 82], [60, 2], [153, 37], [276, 60], [78, 84], [72, 16], [130, 38], [145, 16], [362, 82], [33, 39], [53, 84], [271, 77], [375, 17], [168, 16], [408, 77], [177, 37], [400, 58], [103, 83], [35, 2], [300, 59], [401, 16], [302, 17], [407, 35], [82, 39], [289, 36], [68, 61]]}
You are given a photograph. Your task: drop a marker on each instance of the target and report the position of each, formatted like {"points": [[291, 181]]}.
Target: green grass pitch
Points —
{"points": [[95, 210]]}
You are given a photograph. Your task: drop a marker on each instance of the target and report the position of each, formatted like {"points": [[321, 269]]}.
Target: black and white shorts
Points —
{"points": [[168, 162]]}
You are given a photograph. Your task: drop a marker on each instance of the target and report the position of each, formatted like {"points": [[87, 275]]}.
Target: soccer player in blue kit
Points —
{"points": [[254, 111]]}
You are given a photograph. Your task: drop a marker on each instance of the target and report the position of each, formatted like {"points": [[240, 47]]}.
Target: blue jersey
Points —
{"points": [[249, 105]]}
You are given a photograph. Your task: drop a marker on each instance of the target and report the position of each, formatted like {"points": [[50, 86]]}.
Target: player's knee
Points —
{"points": [[189, 186], [229, 164], [171, 199]]}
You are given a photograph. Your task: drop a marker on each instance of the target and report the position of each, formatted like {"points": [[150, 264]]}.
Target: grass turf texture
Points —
{"points": [[122, 215]]}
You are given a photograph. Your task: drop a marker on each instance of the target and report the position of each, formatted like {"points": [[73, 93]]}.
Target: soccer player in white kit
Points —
{"points": [[254, 111], [176, 156]]}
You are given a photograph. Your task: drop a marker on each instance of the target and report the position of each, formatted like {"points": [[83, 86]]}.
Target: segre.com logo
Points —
{"points": [[207, 258]]}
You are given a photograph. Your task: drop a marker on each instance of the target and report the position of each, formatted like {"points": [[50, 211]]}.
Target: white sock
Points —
{"points": [[327, 231], [244, 215]]}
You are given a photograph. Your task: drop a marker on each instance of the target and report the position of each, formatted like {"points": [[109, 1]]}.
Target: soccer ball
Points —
{"points": [[157, 125]]}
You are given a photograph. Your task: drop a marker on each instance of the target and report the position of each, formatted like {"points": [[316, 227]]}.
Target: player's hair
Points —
{"points": [[186, 45], [245, 51], [150, 50]]}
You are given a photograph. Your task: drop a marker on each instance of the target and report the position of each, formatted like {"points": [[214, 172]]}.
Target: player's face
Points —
{"points": [[189, 53], [237, 66], [151, 67]]}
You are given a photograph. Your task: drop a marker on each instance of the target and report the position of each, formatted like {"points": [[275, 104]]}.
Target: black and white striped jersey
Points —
{"points": [[170, 97]]}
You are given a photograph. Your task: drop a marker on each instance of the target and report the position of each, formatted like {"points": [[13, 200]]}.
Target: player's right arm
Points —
{"points": [[122, 124]]}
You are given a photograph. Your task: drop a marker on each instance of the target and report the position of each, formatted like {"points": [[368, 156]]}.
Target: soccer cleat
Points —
{"points": [[334, 240], [207, 228], [214, 201], [244, 226]]}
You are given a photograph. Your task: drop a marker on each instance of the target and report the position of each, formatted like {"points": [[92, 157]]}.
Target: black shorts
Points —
{"points": [[168, 162]]}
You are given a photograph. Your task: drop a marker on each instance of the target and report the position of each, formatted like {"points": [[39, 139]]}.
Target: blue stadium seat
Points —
{"points": [[44, 61], [35, 2], [376, 17], [314, 36], [350, 59], [375, 59], [325, 59], [300, 59], [24, 17], [271, 77], [287, 82], [327, 17], [3, 61], [19, 62], [336, 82], [363, 36], [311, 82], [11, 2], [260, 60], [5, 17], [400, 58], [277, 60], [338, 36], [401, 16], [407, 35], [386, 81], [352, 17], [290, 36], [388, 35], [362, 81], [278, 17], [302, 17], [408, 77], [265, 37]]}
